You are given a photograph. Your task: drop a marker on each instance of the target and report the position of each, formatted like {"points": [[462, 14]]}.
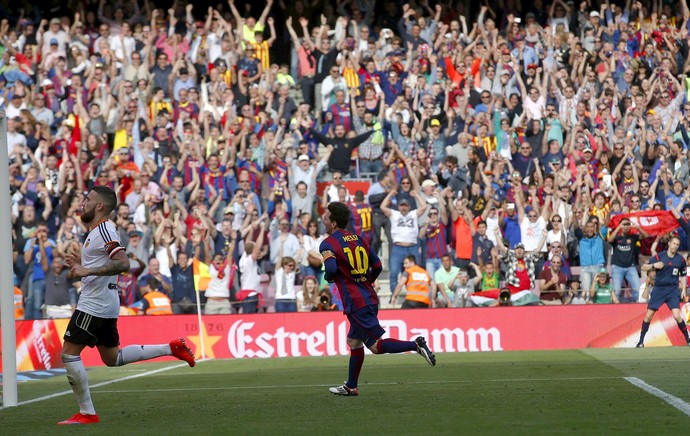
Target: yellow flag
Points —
{"points": [[201, 275]]}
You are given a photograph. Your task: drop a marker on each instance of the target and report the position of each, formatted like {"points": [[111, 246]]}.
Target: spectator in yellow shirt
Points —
{"points": [[249, 25], [262, 46]]}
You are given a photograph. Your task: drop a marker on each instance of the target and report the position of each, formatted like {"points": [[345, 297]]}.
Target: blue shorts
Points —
{"points": [[670, 296], [364, 325]]}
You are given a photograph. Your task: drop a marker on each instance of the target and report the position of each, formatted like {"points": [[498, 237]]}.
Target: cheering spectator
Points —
{"points": [[404, 233], [198, 116]]}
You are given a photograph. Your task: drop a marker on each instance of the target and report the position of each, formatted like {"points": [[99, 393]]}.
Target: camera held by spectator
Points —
{"points": [[325, 302], [504, 298]]}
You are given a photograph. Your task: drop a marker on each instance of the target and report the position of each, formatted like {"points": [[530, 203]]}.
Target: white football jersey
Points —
{"points": [[99, 296]]}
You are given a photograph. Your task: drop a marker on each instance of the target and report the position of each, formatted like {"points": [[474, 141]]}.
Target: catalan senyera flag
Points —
{"points": [[654, 222], [201, 275]]}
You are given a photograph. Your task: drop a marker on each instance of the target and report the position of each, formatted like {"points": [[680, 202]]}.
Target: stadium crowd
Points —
{"points": [[499, 142]]}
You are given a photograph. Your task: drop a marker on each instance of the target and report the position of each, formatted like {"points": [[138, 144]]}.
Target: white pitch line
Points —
{"points": [[106, 383], [668, 398], [434, 382]]}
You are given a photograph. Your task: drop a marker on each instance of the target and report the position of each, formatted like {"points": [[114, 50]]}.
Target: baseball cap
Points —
{"points": [[686, 206], [134, 233], [519, 245], [602, 270], [404, 201], [555, 160], [184, 71], [435, 122], [53, 41], [594, 14], [228, 209], [55, 21], [302, 158], [427, 183], [587, 149]]}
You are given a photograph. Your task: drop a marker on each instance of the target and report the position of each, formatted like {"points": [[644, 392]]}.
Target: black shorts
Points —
{"points": [[90, 330], [411, 304]]}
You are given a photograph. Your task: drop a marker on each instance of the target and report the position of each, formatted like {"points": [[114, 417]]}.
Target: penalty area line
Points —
{"points": [[668, 398], [105, 383]]}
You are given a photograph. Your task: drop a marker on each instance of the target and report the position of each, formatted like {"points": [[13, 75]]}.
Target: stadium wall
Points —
{"points": [[324, 333]]}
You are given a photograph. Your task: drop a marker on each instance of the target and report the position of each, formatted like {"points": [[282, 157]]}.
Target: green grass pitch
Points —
{"points": [[506, 393]]}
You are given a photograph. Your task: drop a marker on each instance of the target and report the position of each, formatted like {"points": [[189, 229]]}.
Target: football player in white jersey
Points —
{"points": [[94, 323]]}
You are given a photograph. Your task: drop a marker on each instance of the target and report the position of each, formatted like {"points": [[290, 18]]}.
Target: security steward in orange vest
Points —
{"points": [[153, 301], [417, 283]]}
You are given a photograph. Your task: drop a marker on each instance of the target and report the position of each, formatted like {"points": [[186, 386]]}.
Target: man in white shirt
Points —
{"points": [[94, 324], [330, 85], [303, 171], [54, 32], [13, 137], [218, 291], [532, 225], [14, 109], [404, 231], [250, 276], [286, 297]]}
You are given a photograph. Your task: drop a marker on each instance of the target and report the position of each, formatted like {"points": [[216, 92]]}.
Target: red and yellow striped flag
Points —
{"points": [[201, 275]]}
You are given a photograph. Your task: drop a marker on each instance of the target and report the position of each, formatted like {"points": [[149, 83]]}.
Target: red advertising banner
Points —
{"points": [[324, 334]]}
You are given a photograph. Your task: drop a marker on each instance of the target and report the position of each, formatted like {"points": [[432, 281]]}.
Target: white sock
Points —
{"points": [[76, 376], [135, 353]]}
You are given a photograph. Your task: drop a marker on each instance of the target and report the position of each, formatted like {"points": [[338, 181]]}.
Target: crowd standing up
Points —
{"points": [[500, 141]]}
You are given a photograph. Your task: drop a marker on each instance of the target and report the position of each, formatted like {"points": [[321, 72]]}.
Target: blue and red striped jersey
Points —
{"points": [[353, 267], [400, 171], [215, 178], [436, 240], [254, 181], [361, 218], [342, 115], [189, 166], [279, 171]]}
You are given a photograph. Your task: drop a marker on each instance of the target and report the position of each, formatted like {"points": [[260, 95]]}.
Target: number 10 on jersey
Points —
{"points": [[359, 261]]}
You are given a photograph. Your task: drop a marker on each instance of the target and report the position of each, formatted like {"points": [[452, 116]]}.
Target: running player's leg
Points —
{"points": [[115, 356], [366, 323], [349, 388], [76, 376], [77, 337], [356, 361]]}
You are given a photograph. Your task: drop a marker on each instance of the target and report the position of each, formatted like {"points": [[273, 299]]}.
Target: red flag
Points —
{"points": [[654, 222]]}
